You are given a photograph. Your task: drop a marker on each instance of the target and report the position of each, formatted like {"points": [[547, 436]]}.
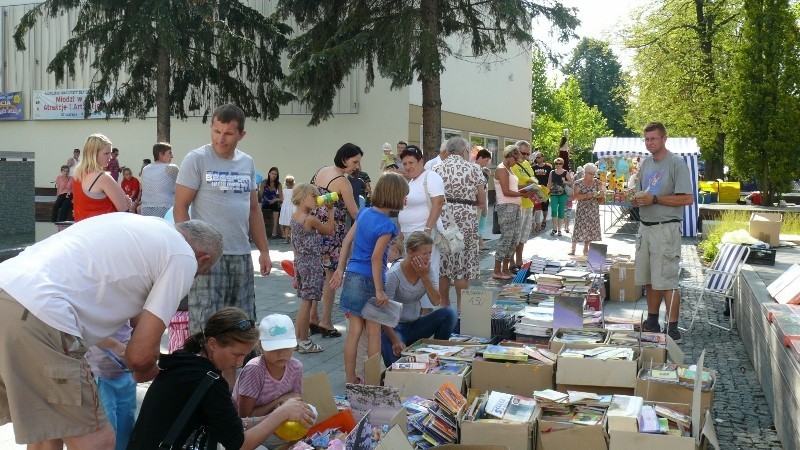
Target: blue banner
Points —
{"points": [[11, 106]]}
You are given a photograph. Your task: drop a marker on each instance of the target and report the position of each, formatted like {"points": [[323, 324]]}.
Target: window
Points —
{"points": [[490, 143], [448, 133]]}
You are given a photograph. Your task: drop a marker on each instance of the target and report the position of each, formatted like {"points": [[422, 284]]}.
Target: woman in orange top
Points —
{"points": [[94, 191]]}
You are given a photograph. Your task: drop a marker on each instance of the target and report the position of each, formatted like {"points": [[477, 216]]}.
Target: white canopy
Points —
{"points": [[685, 147]]}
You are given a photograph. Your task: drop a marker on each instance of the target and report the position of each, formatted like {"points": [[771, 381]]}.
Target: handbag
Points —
{"points": [[200, 438], [495, 222], [449, 240], [558, 188]]}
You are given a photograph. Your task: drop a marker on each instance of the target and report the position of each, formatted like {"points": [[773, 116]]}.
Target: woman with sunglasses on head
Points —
{"points": [[423, 207], [557, 186], [228, 336]]}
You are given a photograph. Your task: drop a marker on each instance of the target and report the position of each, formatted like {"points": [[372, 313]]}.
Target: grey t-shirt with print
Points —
{"points": [[223, 194], [668, 176]]}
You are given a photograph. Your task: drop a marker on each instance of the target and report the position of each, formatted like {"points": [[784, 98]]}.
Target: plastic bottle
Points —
{"points": [[291, 430], [331, 197]]}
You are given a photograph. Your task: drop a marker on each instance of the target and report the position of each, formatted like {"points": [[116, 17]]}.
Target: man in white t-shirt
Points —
{"points": [[68, 292], [72, 163], [438, 159]]}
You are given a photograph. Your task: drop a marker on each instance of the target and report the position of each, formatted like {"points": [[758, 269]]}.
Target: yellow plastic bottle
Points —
{"points": [[330, 197]]}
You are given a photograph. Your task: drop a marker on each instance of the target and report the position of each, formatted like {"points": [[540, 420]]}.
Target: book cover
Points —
{"points": [[520, 409], [648, 420], [451, 398], [550, 395], [497, 404], [667, 376], [504, 353]]}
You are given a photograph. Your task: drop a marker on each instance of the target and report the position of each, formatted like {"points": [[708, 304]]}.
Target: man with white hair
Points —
{"points": [[64, 294], [439, 158]]}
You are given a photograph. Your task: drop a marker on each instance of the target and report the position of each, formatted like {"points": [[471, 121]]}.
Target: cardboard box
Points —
{"points": [[623, 438], [766, 227], [559, 436], [656, 391], [424, 385], [592, 375], [515, 435], [622, 283], [512, 378], [556, 346]]}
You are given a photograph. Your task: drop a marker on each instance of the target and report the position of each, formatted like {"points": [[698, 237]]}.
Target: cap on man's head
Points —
{"points": [[509, 150], [276, 332], [387, 146]]}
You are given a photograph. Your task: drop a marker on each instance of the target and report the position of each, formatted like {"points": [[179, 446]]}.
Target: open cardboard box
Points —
{"points": [[521, 378], [596, 375], [560, 436], [657, 355], [425, 385], [556, 346], [625, 436], [515, 435]]}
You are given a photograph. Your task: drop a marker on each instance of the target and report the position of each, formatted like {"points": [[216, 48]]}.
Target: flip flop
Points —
{"points": [[315, 329], [501, 277]]}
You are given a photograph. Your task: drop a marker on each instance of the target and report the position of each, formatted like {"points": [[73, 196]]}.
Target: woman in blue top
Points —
{"points": [[369, 238]]}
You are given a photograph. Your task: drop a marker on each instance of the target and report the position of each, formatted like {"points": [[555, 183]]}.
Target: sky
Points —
{"points": [[599, 19]]}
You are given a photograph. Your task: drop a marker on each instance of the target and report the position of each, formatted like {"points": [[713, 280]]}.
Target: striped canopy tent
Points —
{"points": [[610, 147]]}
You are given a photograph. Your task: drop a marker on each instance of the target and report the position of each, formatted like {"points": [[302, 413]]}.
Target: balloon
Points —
{"points": [[169, 217], [259, 178]]}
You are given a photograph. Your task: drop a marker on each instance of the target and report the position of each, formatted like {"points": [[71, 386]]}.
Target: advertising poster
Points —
{"points": [[61, 104], [11, 106]]}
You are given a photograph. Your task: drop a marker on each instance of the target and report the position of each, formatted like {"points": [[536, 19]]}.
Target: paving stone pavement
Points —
{"points": [[742, 416]]}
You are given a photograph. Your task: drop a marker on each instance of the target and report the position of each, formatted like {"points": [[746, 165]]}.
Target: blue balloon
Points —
{"points": [[169, 216], [259, 178]]}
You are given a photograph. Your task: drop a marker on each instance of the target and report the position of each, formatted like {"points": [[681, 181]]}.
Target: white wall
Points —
{"points": [[498, 91]]}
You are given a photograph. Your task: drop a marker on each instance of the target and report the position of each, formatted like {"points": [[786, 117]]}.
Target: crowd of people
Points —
{"points": [[408, 239]]}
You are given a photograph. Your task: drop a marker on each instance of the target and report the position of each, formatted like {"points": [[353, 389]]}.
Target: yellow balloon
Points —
{"points": [[291, 431]]}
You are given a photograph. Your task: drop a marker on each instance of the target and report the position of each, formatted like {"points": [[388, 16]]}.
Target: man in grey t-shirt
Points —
{"points": [[218, 181], [663, 188]]}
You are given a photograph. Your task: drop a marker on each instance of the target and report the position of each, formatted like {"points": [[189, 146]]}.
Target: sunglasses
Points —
{"points": [[244, 325], [559, 164], [525, 154]]}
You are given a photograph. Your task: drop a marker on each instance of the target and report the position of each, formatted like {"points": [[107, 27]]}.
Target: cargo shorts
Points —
{"points": [[658, 255]]}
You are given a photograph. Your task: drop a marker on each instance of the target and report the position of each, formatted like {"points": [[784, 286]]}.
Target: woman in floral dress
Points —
{"points": [[587, 214], [464, 190]]}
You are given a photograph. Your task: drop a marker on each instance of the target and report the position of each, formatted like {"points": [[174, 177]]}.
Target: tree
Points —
{"points": [[568, 111], [599, 74], [683, 63], [765, 112], [402, 39], [173, 56]]}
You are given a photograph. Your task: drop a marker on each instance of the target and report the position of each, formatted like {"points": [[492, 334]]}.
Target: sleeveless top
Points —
{"points": [[513, 185], [339, 208], [306, 242], [87, 204]]}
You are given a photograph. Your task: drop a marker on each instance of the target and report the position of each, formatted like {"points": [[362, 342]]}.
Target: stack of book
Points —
{"points": [[513, 293], [444, 352], [576, 282], [636, 339], [556, 407], [408, 364], [602, 353], [504, 317], [673, 373], [616, 320], [771, 309], [548, 284], [580, 336], [658, 419], [535, 322], [469, 339], [495, 405], [434, 423], [788, 326], [553, 267], [538, 264]]}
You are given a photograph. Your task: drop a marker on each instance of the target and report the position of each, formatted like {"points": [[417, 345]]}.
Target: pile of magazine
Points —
{"points": [[652, 418], [495, 405], [434, 422], [574, 408], [673, 373]]}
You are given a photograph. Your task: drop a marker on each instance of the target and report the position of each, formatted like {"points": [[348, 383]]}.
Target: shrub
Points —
{"points": [[729, 221]]}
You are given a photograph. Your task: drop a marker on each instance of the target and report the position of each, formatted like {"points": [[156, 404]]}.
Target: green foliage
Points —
{"points": [[402, 39], [207, 53], [682, 66], [727, 222], [601, 81], [791, 223], [765, 110], [567, 110]]}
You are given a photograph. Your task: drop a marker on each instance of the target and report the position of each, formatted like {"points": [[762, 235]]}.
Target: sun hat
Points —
{"points": [[276, 332], [387, 146], [509, 150]]}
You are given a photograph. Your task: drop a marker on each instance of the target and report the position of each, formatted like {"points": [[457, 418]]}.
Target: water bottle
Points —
{"points": [[330, 197]]}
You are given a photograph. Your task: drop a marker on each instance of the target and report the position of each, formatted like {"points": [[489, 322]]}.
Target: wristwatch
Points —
{"points": [[655, 199], [427, 230]]}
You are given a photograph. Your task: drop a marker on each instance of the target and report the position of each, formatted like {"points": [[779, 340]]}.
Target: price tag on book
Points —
{"points": [[476, 312]]}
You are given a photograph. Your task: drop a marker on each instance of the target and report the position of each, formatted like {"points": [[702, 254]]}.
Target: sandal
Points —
{"points": [[572, 253], [315, 329], [310, 347], [553, 233], [334, 333], [566, 230], [559, 233]]}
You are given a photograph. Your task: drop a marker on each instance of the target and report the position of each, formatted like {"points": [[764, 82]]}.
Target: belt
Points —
{"points": [[650, 224], [462, 202]]}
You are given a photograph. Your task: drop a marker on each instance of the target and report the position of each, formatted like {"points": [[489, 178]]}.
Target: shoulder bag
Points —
{"points": [[199, 439], [449, 240]]}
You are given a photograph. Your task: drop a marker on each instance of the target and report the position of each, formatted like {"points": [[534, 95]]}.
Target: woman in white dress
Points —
{"points": [[287, 209]]}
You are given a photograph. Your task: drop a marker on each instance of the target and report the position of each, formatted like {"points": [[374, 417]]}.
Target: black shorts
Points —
{"points": [[274, 207]]}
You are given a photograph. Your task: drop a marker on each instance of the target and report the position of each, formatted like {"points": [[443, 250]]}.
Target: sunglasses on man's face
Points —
{"points": [[244, 325], [525, 154]]}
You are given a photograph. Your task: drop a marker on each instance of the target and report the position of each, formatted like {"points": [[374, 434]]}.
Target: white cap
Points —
{"points": [[276, 332], [387, 146]]}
